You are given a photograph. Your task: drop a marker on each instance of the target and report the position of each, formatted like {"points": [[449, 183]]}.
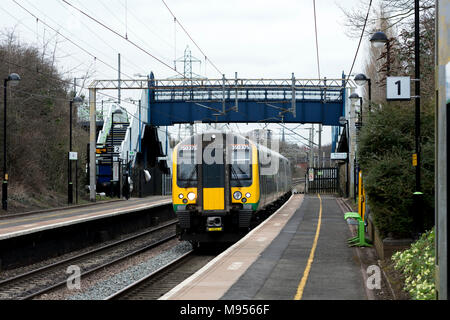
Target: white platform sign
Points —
{"points": [[115, 171], [398, 88], [311, 175], [339, 156], [73, 156]]}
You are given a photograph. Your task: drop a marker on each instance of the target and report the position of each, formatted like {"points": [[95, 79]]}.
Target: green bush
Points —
{"points": [[385, 156], [417, 266]]}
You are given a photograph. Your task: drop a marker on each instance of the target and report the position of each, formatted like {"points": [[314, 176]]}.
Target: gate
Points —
{"points": [[322, 180]]}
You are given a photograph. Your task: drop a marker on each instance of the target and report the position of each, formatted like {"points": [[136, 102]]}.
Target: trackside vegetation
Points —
{"points": [[385, 156]]}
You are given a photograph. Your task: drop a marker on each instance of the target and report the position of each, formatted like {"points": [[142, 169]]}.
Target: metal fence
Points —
{"points": [[322, 180]]}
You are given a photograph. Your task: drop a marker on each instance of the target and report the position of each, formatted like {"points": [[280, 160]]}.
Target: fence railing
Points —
{"points": [[322, 180]]}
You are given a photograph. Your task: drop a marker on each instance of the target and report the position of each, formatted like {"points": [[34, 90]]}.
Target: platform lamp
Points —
{"points": [[344, 122], [355, 97], [13, 80], [361, 80], [77, 101], [378, 40]]}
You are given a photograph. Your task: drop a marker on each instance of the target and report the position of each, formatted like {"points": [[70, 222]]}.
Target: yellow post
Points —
{"points": [[363, 201], [360, 193], [361, 197]]}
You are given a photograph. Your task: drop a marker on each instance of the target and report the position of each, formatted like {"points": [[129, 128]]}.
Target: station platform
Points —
{"points": [[300, 252], [22, 224]]}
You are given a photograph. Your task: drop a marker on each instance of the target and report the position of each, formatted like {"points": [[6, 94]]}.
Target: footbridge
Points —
{"points": [[172, 101]]}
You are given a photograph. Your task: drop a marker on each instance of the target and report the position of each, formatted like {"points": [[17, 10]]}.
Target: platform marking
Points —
{"points": [[302, 284], [261, 239], [235, 266], [277, 224]]}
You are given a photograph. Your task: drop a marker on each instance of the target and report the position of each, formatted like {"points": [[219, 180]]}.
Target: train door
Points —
{"points": [[213, 178]]}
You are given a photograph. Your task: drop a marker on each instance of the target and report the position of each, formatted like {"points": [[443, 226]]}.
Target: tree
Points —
{"points": [[387, 136], [38, 121]]}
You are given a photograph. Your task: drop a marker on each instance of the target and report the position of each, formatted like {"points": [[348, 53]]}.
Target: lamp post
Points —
{"points": [[377, 40], [14, 80], [358, 125], [361, 80], [418, 195], [344, 122], [76, 101]]}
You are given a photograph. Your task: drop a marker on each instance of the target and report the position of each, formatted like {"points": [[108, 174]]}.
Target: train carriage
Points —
{"points": [[221, 182]]}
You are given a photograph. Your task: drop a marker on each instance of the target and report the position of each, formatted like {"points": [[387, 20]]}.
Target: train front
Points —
{"points": [[215, 187]]}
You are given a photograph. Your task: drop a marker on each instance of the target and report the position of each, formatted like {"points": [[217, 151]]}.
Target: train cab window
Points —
{"points": [[186, 168], [213, 175], [241, 168]]}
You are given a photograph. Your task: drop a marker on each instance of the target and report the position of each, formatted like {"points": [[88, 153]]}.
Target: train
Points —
{"points": [[222, 183]]}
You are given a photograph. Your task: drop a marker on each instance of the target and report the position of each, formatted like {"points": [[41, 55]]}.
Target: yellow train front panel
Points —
{"points": [[213, 199]]}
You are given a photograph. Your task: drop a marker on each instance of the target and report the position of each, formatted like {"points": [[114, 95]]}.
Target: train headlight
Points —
{"points": [[248, 195], [191, 196], [237, 195], [180, 196]]}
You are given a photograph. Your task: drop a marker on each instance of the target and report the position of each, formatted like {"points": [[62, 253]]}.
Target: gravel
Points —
{"points": [[103, 289]]}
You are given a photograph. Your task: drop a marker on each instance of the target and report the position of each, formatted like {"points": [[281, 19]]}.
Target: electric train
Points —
{"points": [[222, 182]]}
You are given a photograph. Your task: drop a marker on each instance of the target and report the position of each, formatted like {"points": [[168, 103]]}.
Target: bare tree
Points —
{"points": [[38, 120]]}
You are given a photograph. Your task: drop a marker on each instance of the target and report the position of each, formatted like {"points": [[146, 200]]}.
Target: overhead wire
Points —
{"points": [[56, 78], [359, 44], [27, 27], [317, 41], [146, 26], [124, 59], [129, 31], [121, 36], [67, 82], [58, 32], [68, 39], [190, 37]]}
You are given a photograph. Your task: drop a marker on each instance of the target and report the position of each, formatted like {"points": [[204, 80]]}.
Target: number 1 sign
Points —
{"points": [[398, 88]]}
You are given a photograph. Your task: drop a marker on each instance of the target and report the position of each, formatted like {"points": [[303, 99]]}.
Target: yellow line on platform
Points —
{"points": [[302, 284]]}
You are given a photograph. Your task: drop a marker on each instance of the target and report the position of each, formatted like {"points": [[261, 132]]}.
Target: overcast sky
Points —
{"points": [[256, 38]]}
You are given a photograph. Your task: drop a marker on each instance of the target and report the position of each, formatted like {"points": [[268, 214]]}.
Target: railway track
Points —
{"points": [[158, 283], [298, 185], [298, 181], [42, 280], [345, 207]]}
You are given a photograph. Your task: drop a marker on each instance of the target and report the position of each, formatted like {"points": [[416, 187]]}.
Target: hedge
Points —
{"points": [[385, 155]]}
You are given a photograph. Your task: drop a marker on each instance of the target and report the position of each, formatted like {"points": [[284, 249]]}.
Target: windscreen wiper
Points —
{"points": [[236, 176]]}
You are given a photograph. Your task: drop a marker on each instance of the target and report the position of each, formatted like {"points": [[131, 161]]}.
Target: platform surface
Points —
{"points": [[271, 262], [25, 224]]}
